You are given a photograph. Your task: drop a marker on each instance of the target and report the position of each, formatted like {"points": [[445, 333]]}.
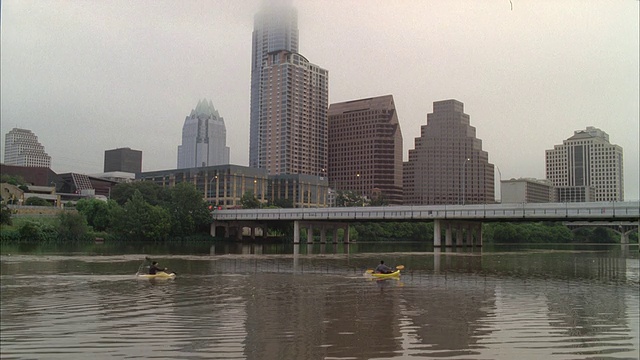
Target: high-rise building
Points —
{"points": [[586, 167], [123, 159], [289, 99], [204, 138], [21, 148], [448, 165], [365, 148], [275, 28]]}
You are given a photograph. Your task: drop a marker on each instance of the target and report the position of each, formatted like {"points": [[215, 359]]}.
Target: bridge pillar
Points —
{"points": [[253, 232], [296, 232], [624, 237], [448, 238], [335, 235], [212, 229], [346, 234], [469, 230], [437, 232], [459, 234], [310, 234], [323, 234], [479, 235]]}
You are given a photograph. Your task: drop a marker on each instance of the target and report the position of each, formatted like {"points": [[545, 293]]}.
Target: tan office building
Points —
{"points": [[365, 148], [586, 167], [293, 115], [448, 165]]}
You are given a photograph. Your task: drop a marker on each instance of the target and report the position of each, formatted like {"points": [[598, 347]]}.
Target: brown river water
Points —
{"points": [[252, 302]]}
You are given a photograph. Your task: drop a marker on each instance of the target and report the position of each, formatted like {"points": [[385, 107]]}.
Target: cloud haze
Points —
{"points": [[88, 76]]}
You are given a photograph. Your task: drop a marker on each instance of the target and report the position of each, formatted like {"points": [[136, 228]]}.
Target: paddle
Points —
{"points": [[399, 267]]}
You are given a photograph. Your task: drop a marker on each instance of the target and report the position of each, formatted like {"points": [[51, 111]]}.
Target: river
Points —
{"points": [[250, 301]]}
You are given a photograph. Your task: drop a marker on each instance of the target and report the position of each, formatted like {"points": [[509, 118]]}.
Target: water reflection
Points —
{"points": [[315, 304]]}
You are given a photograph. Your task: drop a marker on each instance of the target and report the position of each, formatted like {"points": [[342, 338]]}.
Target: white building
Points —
{"points": [[204, 138], [21, 148], [586, 167], [526, 190]]}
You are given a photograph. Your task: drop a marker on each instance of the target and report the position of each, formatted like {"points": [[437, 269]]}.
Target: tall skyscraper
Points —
{"points": [[448, 165], [21, 148], [586, 163], [365, 148], [289, 99], [123, 159], [204, 138], [275, 28]]}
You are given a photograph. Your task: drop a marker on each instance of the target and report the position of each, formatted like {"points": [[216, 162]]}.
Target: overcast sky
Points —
{"points": [[89, 76]]}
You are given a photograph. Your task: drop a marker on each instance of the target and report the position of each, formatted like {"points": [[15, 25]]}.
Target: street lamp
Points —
{"points": [[464, 178]]}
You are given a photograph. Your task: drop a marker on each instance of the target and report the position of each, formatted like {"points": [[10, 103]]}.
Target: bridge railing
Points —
{"points": [[533, 212]]}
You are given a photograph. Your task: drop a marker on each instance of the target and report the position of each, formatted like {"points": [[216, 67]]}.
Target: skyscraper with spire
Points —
{"points": [[289, 98], [204, 138]]}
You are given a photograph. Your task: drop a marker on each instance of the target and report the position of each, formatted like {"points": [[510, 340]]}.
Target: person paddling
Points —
{"points": [[383, 269], [153, 269]]}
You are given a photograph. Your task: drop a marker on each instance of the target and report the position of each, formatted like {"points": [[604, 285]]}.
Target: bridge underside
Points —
{"points": [[467, 233]]}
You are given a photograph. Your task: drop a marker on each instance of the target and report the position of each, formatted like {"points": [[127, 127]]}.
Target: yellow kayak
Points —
{"points": [[158, 275], [383, 276]]}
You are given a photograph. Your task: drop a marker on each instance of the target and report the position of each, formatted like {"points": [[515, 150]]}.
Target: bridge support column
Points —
{"points": [[448, 238], [253, 232], [624, 237], [335, 235], [469, 230], [296, 232], [323, 234], [437, 232], [346, 234], [479, 235], [212, 229], [310, 234], [459, 228]]}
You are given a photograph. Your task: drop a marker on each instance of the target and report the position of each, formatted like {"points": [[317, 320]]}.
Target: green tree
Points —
{"points": [[139, 220], [249, 201], [5, 215], [379, 200], [97, 212], [72, 226], [348, 198], [188, 210], [151, 192], [282, 203], [12, 179], [36, 201]]}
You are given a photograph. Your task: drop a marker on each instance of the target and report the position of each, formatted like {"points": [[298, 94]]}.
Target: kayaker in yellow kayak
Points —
{"points": [[383, 269], [153, 269]]}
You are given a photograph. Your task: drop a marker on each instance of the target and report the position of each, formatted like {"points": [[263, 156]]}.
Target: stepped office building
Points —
{"points": [[365, 148], [21, 148], [204, 138], [289, 99], [586, 167], [448, 165]]}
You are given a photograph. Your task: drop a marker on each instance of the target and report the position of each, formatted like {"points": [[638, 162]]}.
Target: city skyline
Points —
{"points": [[87, 77]]}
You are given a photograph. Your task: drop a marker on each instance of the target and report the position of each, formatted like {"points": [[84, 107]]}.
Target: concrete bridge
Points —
{"points": [[465, 220]]}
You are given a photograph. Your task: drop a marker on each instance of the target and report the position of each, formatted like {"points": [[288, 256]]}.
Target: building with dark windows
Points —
{"points": [[224, 185], [586, 167], [289, 99], [365, 148], [448, 165], [123, 159]]}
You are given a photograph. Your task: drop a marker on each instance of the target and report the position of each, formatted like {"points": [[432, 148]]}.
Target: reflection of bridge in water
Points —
{"points": [[465, 221]]}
